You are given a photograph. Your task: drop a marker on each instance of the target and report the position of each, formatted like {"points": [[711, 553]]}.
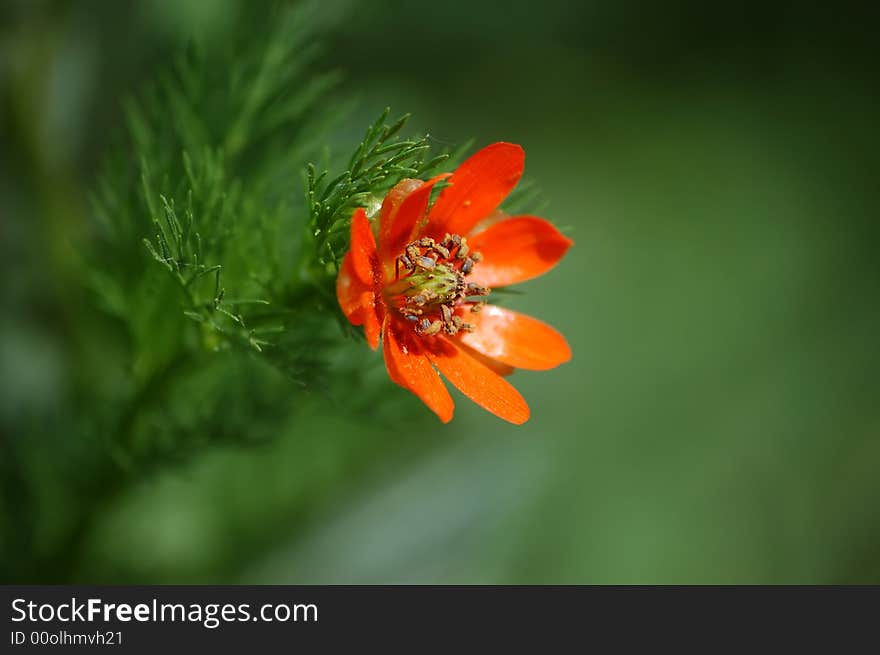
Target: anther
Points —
{"points": [[476, 290], [451, 240], [433, 284], [426, 262], [402, 260], [429, 329]]}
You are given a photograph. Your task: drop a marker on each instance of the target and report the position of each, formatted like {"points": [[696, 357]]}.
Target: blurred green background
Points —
{"points": [[719, 423]]}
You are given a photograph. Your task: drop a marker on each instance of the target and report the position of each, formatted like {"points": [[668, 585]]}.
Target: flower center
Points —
{"points": [[429, 284]]}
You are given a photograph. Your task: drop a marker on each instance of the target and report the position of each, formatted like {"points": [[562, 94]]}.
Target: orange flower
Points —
{"points": [[421, 288]]}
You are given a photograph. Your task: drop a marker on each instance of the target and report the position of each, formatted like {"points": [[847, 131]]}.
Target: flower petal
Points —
{"points": [[501, 369], [356, 287], [358, 302], [373, 318], [391, 203], [364, 258], [479, 383], [517, 249], [402, 210], [516, 339], [351, 292], [476, 189], [408, 367]]}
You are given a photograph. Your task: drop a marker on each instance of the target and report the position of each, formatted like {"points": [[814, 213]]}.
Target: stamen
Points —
{"points": [[461, 325], [429, 284], [426, 262], [477, 290], [429, 329]]}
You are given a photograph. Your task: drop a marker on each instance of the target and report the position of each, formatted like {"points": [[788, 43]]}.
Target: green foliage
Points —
{"points": [[217, 203], [220, 143], [379, 162], [214, 312]]}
